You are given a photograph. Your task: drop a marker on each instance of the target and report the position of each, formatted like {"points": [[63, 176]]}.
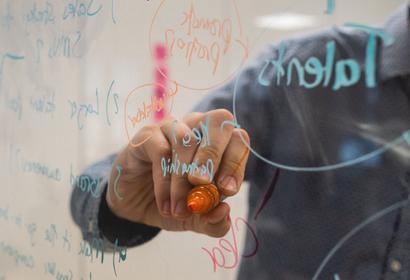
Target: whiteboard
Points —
{"points": [[66, 70]]}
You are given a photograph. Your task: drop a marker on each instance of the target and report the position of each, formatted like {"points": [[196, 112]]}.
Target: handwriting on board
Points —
{"points": [[60, 38], [196, 39]]}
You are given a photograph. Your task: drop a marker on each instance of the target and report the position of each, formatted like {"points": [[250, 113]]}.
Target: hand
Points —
{"points": [[145, 192]]}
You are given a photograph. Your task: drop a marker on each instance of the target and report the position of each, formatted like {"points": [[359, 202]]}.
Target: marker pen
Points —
{"points": [[203, 198]]}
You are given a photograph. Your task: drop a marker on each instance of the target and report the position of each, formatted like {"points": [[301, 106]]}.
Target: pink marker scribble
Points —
{"points": [[161, 72]]}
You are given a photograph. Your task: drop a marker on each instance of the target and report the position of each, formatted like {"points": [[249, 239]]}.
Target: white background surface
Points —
{"points": [[107, 51]]}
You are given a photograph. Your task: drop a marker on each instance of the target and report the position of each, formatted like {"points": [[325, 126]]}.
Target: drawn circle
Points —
{"points": [[136, 91], [239, 42], [402, 138]]}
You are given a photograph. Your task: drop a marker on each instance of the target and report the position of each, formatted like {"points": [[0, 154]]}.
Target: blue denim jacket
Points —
{"points": [[328, 116]]}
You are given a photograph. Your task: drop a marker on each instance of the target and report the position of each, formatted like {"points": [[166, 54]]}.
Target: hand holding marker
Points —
{"points": [[203, 198], [150, 196]]}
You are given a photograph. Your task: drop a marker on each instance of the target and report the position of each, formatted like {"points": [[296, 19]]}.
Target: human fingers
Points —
{"points": [[213, 143], [231, 170], [181, 138], [217, 222], [158, 150]]}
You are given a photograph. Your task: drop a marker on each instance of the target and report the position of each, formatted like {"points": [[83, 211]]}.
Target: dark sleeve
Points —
{"points": [[91, 213]]}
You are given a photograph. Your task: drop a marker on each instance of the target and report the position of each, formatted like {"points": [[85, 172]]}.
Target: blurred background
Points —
{"points": [[68, 72]]}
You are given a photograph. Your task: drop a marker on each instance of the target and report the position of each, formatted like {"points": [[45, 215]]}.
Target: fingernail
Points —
{"points": [[202, 178], [180, 209], [229, 183], [166, 209]]}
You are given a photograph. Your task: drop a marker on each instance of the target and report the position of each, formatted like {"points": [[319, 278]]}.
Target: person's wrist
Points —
{"points": [[126, 232], [113, 204]]}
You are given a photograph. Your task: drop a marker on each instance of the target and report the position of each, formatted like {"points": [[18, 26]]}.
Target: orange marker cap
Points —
{"points": [[202, 199]]}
